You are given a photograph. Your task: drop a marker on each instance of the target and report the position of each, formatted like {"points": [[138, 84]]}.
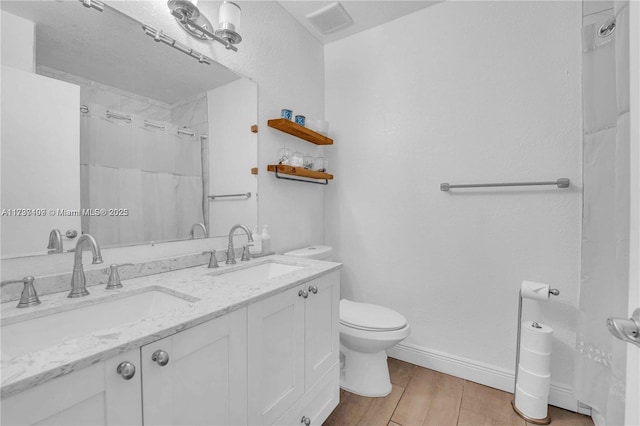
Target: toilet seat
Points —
{"points": [[368, 317]]}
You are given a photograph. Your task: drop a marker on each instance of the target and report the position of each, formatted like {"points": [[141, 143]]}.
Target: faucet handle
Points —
{"points": [[213, 261], [114, 276], [245, 252], [29, 297], [231, 256]]}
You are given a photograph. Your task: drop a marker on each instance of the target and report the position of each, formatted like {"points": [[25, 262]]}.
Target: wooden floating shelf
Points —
{"points": [[297, 130], [298, 171]]}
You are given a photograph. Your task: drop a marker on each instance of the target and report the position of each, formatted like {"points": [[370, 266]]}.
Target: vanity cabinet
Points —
{"points": [[198, 376], [293, 354], [95, 395], [202, 382], [273, 362]]}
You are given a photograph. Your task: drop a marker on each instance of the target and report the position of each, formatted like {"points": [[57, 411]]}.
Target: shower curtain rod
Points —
{"points": [[110, 114], [148, 123], [180, 130], [560, 183], [185, 131]]}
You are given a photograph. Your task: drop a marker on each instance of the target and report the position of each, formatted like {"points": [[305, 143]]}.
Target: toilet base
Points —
{"points": [[365, 374]]}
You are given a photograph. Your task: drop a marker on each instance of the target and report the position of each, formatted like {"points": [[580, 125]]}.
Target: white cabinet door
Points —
{"points": [[317, 403], [322, 335], [276, 355], [96, 395], [204, 381]]}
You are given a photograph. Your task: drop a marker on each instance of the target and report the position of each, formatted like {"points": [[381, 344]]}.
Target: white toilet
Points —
{"points": [[366, 330]]}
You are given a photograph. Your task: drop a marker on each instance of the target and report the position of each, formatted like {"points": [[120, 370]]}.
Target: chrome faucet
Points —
{"points": [[231, 253], [78, 282], [55, 242], [196, 225]]}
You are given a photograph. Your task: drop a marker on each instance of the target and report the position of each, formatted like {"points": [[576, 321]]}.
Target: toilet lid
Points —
{"points": [[365, 316]]}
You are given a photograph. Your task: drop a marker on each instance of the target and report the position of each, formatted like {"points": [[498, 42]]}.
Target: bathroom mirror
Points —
{"points": [[121, 136]]}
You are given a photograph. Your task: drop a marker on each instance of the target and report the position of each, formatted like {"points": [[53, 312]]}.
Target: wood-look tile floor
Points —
{"points": [[426, 397]]}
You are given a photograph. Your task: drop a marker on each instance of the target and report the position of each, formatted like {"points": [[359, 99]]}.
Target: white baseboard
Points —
{"points": [[475, 371], [598, 418]]}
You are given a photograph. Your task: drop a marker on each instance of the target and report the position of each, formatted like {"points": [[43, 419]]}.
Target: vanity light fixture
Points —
{"points": [[197, 25], [159, 36]]}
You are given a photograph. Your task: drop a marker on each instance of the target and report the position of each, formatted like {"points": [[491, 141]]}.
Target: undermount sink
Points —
{"points": [[257, 273], [20, 337]]}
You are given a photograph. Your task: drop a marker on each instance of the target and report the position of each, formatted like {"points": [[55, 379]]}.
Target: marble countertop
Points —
{"points": [[209, 293]]}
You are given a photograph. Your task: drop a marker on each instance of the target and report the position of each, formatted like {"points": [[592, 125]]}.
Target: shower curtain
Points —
{"points": [[600, 358], [148, 168]]}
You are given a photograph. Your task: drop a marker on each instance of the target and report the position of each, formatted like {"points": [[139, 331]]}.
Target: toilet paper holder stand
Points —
{"points": [[546, 420]]}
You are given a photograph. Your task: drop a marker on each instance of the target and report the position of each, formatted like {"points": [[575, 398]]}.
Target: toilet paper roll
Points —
{"points": [[536, 338], [535, 362], [536, 385], [534, 290], [530, 406]]}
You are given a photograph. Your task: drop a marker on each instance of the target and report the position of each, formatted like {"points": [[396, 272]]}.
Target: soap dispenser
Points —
{"points": [[266, 240], [256, 248]]}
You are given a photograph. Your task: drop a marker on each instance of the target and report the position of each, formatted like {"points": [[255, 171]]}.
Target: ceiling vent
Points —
{"points": [[330, 18]]}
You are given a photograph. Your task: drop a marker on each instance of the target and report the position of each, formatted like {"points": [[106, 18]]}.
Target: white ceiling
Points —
{"points": [[365, 14]]}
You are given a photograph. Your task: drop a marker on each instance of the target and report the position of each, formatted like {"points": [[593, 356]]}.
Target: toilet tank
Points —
{"points": [[313, 252]]}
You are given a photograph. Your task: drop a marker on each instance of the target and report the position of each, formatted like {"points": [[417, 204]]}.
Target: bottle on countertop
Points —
{"points": [[256, 248], [266, 240]]}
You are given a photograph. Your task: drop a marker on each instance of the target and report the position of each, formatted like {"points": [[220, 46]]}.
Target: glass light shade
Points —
{"points": [[229, 23], [229, 16]]}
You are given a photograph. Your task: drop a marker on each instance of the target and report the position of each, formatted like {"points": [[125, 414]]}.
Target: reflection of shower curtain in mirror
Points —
{"points": [[601, 358], [153, 173]]}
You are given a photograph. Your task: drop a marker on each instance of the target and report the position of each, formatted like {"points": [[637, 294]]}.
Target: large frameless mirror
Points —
{"points": [[117, 135]]}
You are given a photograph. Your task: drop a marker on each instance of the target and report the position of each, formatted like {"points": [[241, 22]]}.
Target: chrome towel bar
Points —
{"points": [[246, 194], [560, 183]]}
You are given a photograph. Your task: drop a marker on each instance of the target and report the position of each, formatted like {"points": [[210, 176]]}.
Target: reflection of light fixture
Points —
{"points": [[607, 28], [189, 17]]}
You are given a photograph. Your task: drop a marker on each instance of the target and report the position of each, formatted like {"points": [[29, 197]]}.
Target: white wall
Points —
{"points": [[287, 64], [233, 151], [33, 155], [632, 410], [18, 42], [22, 236], [460, 92]]}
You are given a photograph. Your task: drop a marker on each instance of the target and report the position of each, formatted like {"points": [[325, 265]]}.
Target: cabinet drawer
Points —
{"points": [[318, 402]]}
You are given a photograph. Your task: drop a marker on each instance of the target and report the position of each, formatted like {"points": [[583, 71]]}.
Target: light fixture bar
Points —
{"points": [[198, 28], [160, 36], [96, 4]]}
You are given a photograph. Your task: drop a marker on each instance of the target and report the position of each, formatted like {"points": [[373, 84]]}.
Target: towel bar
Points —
{"points": [[560, 183]]}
